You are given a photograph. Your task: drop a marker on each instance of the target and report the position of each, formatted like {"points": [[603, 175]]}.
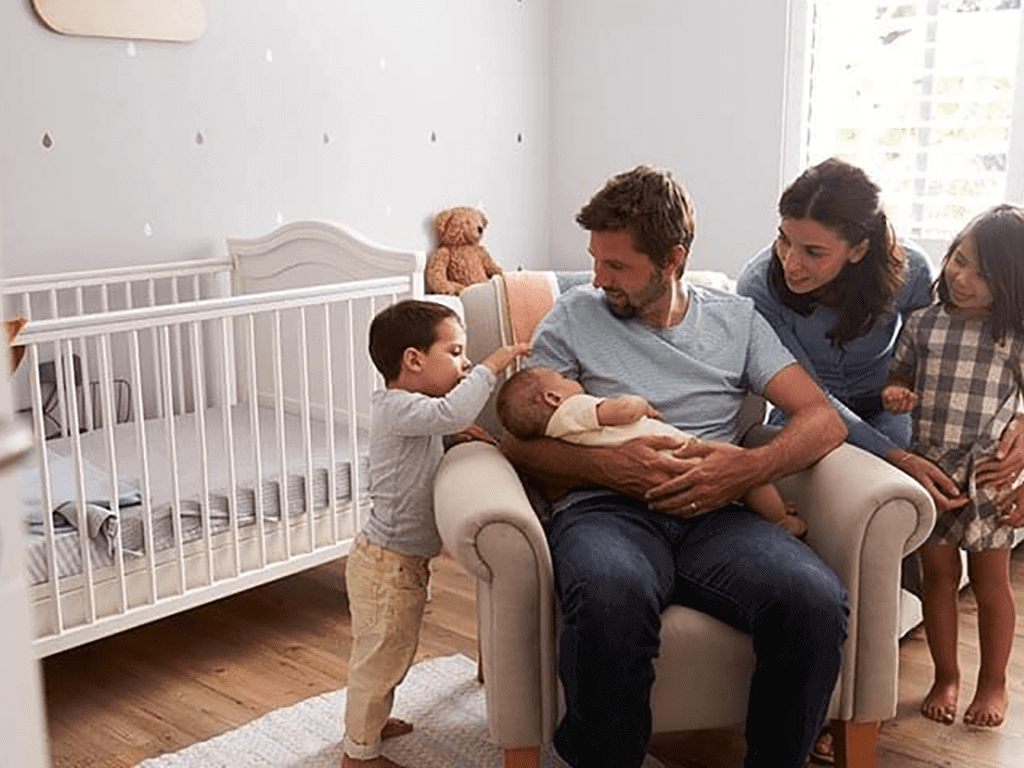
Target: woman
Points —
{"points": [[837, 286]]}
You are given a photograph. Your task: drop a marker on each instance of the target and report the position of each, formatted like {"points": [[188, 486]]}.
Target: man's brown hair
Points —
{"points": [[651, 205]]}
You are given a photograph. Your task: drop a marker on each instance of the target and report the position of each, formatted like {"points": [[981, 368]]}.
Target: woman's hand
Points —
{"points": [[942, 489], [1011, 507], [1002, 471]]}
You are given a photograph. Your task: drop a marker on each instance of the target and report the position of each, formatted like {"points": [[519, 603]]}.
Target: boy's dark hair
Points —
{"points": [[519, 422], [409, 323], [841, 197], [998, 235], [649, 204]]}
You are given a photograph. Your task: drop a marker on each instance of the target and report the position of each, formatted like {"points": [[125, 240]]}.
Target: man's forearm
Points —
{"points": [[555, 462], [808, 436]]}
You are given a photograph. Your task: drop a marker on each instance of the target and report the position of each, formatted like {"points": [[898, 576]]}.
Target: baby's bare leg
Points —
{"points": [[769, 504]]}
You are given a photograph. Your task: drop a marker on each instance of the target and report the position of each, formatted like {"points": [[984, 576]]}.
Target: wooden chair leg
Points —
{"points": [[479, 662], [855, 743], [521, 757]]}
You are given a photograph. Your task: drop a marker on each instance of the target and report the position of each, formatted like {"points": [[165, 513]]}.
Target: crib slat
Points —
{"points": [[257, 440], [106, 403], [229, 442], [143, 451], [281, 437], [332, 451], [355, 486], [80, 493], [172, 452], [203, 453], [307, 431], [45, 487]]}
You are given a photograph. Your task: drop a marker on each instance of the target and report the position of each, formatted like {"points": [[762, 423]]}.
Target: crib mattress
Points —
{"points": [[188, 516]]}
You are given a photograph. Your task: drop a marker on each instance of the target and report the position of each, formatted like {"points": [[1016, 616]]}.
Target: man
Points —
{"points": [[632, 531]]}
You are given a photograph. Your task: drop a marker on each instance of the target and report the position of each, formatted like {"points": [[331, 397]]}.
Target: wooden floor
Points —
{"points": [[187, 678]]}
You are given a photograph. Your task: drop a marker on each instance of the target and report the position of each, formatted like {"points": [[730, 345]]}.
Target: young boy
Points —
{"points": [[540, 402], [431, 390]]}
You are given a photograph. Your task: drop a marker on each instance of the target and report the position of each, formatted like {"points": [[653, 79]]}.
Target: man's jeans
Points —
{"points": [[619, 565]]}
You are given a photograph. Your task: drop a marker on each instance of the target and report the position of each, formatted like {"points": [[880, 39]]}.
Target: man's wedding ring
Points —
{"points": [[693, 506]]}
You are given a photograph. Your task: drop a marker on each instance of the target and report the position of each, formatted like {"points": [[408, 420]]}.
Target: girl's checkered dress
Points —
{"points": [[968, 390]]}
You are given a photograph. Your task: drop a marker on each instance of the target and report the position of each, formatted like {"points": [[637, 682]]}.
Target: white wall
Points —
{"points": [[308, 110], [695, 86]]}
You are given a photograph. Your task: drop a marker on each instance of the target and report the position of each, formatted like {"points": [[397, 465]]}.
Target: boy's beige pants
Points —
{"points": [[387, 593]]}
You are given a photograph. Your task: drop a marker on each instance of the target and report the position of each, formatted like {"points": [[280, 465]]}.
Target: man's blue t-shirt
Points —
{"points": [[696, 373]]}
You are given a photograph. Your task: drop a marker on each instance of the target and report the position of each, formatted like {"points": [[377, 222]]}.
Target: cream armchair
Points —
{"points": [[863, 516]]}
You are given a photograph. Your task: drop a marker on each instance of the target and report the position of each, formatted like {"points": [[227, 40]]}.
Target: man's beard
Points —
{"points": [[630, 306]]}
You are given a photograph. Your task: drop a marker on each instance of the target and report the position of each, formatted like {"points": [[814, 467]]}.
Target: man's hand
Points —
{"points": [[640, 465], [1002, 471], [631, 468], [942, 489], [898, 399], [719, 473]]}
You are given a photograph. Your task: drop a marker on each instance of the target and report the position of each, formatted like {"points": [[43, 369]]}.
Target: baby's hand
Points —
{"points": [[898, 399], [624, 409], [502, 357]]}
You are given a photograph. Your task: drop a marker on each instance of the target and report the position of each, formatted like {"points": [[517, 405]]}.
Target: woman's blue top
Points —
{"points": [[854, 373]]}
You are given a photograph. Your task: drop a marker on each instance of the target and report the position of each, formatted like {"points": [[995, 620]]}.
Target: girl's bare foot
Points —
{"points": [[940, 703], [988, 708], [394, 727]]}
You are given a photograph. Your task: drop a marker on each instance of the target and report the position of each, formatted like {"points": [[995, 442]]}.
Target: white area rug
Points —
{"points": [[440, 697]]}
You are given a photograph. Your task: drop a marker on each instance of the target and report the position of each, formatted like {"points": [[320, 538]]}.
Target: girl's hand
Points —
{"points": [[1002, 471], [942, 489], [898, 399], [470, 433], [1011, 506]]}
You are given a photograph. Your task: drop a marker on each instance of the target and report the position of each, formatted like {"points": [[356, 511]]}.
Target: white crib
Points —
{"points": [[200, 427]]}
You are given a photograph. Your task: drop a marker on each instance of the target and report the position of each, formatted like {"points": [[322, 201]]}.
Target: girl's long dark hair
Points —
{"points": [[998, 235], [842, 198]]}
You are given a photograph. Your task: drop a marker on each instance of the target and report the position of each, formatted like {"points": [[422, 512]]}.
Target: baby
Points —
{"points": [[540, 402]]}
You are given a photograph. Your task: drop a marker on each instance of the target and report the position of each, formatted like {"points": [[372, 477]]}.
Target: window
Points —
{"points": [[921, 94]]}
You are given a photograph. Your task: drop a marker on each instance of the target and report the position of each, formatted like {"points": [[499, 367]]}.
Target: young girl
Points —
{"points": [[958, 366]]}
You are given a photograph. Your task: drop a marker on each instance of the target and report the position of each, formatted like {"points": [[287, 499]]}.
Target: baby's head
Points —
{"points": [[529, 397], [419, 346]]}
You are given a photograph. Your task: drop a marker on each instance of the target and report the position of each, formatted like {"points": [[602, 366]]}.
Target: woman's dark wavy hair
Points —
{"points": [[841, 197], [998, 235]]}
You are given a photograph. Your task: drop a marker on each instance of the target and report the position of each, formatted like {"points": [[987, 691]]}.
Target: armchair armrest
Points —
{"points": [[488, 526], [863, 517]]}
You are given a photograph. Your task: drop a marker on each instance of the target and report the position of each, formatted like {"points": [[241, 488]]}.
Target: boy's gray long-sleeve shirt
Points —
{"points": [[405, 450]]}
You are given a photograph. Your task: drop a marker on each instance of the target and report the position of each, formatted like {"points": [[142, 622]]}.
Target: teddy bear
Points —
{"points": [[459, 260]]}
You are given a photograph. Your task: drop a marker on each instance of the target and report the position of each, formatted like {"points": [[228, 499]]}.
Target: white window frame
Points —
{"points": [[794, 122]]}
